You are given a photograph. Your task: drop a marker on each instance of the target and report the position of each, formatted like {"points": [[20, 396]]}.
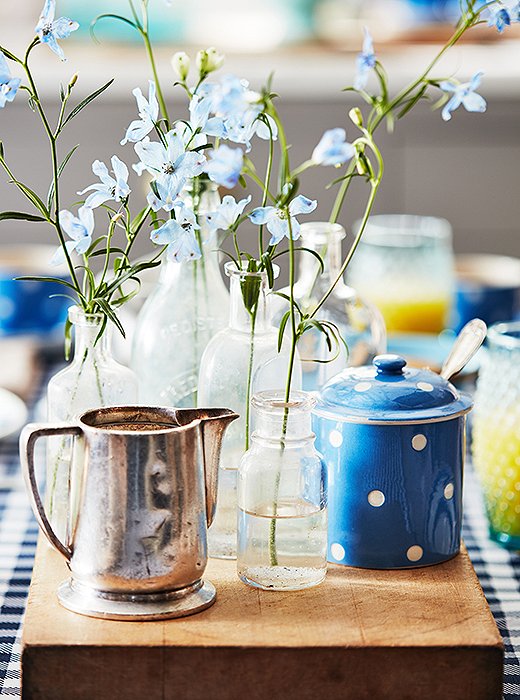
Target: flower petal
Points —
{"points": [[261, 215], [302, 205]]}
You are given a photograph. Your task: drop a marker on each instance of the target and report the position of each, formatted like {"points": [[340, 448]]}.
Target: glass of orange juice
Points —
{"points": [[496, 432], [404, 264]]}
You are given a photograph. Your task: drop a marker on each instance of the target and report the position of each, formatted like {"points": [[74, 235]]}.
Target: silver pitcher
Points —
{"points": [[142, 495]]}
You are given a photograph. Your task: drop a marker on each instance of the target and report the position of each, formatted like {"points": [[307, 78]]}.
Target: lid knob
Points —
{"points": [[389, 364]]}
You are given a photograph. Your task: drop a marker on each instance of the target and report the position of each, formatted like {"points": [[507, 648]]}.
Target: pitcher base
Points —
{"points": [[84, 600]]}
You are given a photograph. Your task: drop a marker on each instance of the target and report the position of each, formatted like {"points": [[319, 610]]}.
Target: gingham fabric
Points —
{"points": [[497, 569]]}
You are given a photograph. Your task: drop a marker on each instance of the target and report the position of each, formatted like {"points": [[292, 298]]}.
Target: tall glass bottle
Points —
{"points": [[282, 503], [359, 322], [92, 379], [187, 307], [239, 361]]}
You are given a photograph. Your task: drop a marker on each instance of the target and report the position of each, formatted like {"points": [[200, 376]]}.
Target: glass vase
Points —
{"points": [[282, 507], [238, 362], [187, 307], [92, 379], [496, 432], [359, 322]]}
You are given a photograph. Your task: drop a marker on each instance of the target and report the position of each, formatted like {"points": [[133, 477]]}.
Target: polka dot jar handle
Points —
{"points": [[393, 440]]}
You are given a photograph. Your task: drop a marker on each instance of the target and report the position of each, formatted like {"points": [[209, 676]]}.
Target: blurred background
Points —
{"points": [[465, 171]]}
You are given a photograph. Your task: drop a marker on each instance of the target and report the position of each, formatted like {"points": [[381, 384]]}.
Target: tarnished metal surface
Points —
{"points": [[143, 493]]}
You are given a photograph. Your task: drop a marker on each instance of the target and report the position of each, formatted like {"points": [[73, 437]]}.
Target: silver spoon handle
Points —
{"points": [[466, 345]]}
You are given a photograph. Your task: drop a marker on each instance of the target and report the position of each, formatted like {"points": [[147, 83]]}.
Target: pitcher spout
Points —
{"points": [[214, 423]]}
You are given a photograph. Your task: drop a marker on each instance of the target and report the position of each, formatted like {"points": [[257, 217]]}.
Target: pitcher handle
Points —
{"points": [[30, 434]]}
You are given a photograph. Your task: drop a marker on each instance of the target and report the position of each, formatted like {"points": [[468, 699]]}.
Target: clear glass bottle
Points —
{"points": [[239, 361], [282, 504], [359, 322], [92, 379], [187, 307]]}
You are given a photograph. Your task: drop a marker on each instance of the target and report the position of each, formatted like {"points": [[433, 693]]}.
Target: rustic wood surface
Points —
{"points": [[422, 633]]}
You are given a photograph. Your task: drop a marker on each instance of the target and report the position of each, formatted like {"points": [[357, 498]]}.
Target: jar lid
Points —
{"points": [[390, 392]]}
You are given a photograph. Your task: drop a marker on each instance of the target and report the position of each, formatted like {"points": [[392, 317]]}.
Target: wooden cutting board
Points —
{"points": [[390, 635]]}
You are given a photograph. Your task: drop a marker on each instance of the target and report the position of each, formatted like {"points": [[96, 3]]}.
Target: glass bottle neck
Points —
{"points": [[278, 421], [87, 345], [240, 317], [326, 242]]}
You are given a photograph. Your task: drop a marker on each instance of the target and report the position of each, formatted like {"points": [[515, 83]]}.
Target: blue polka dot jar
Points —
{"points": [[393, 439]]}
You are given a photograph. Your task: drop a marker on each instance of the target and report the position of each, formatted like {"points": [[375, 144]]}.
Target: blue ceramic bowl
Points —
{"points": [[488, 287], [26, 307]]}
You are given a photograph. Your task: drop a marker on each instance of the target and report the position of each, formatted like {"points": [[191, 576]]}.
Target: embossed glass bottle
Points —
{"points": [[92, 379], [187, 307], [359, 322], [239, 361], [282, 504]]}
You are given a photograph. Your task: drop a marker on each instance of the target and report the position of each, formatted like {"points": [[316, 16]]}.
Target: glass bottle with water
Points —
{"points": [[282, 505]]}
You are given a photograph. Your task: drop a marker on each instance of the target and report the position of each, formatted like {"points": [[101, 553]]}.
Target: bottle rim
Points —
{"points": [[404, 230], [505, 335], [274, 402], [320, 232], [231, 270]]}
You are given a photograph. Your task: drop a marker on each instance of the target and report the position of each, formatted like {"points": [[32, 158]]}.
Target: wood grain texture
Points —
{"points": [[421, 633]]}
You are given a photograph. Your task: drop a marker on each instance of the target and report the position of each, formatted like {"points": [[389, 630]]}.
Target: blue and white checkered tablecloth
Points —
{"points": [[497, 569]]}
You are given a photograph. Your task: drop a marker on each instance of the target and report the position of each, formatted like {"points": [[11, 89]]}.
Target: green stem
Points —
{"points": [[151, 58], [55, 166], [250, 374], [273, 555]]}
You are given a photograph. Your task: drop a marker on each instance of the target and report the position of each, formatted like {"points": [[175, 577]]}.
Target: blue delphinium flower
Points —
{"points": [[148, 110], [225, 165], [110, 188], [201, 121], [8, 85], [277, 221], [79, 228], [365, 62], [227, 213], [502, 14], [171, 167], [179, 235], [463, 94], [48, 30], [333, 148]]}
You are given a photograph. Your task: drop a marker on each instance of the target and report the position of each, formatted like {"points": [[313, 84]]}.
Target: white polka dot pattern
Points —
{"points": [[414, 553], [337, 551], [419, 442], [376, 498], [335, 438]]}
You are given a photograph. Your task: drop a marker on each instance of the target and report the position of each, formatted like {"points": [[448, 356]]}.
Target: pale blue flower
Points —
{"points": [[148, 110], [200, 120], [110, 188], [8, 85], [227, 213], [365, 62], [502, 14], [463, 94], [179, 235], [79, 228], [333, 148], [164, 193], [48, 30], [225, 166], [277, 221]]}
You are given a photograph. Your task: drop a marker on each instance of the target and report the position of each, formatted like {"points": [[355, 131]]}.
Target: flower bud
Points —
{"points": [[209, 60], [181, 64], [356, 116], [73, 80]]}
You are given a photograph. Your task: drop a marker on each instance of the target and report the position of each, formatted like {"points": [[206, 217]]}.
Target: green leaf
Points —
{"points": [[283, 324], [105, 306], [68, 338], [86, 102], [139, 221], [268, 265], [9, 55], [120, 18], [2, 150], [61, 168], [250, 287], [18, 215], [56, 280], [33, 197]]}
